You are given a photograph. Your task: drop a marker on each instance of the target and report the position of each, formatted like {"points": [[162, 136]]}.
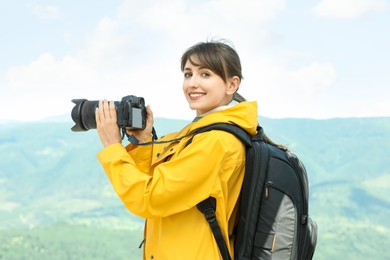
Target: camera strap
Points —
{"points": [[132, 139]]}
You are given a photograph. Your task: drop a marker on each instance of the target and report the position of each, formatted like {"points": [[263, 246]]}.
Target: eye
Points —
{"points": [[206, 74], [187, 74]]}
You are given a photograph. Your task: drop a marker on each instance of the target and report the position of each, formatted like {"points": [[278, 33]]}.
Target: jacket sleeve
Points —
{"points": [[173, 186]]}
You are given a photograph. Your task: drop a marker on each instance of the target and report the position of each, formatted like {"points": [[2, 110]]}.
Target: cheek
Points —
{"points": [[184, 86]]}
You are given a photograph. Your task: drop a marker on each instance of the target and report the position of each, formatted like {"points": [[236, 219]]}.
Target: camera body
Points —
{"points": [[131, 113]]}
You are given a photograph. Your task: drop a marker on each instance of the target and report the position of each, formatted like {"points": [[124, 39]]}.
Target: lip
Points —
{"points": [[196, 95]]}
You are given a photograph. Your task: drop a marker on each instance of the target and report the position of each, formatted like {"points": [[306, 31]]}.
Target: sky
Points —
{"points": [[301, 59]]}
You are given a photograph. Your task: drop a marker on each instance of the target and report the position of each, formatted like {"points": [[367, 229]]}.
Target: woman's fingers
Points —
{"points": [[106, 123], [106, 111], [112, 110]]}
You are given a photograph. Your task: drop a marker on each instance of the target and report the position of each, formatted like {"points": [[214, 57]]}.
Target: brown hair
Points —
{"points": [[217, 56]]}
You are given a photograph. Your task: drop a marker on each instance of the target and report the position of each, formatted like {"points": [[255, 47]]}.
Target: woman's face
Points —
{"points": [[205, 90]]}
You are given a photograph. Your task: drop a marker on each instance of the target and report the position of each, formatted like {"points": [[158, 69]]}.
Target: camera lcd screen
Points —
{"points": [[136, 117]]}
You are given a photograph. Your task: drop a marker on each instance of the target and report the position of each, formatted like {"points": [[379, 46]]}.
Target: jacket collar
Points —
{"points": [[220, 108], [243, 114]]}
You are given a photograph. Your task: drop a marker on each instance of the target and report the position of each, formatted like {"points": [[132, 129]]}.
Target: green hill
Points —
{"points": [[56, 202]]}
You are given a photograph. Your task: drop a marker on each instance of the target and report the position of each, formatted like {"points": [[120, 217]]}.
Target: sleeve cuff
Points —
{"points": [[112, 153]]}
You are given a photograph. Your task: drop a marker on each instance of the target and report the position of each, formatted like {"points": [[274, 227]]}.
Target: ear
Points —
{"points": [[232, 85]]}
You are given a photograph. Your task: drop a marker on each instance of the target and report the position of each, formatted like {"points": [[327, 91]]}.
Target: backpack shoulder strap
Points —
{"points": [[208, 206], [240, 133]]}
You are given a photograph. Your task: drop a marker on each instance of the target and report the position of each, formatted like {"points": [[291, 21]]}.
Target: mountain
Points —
{"points": [[57, 203]]}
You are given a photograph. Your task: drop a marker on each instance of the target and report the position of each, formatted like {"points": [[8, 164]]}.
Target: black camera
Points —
{"points": [[131, 113]]}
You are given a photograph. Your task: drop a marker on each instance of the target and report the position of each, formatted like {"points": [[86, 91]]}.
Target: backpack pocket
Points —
{"points": [[276, 228]]}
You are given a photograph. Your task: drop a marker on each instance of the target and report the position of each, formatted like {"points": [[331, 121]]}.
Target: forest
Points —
{"points": [[57, 203]]}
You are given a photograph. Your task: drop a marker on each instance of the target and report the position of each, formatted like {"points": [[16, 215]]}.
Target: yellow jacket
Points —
{"points": [[163, 183]]}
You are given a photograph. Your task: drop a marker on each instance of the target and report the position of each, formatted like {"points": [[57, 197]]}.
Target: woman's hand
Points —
{"points": [[106, 123], [107, 126], [143, 135]]}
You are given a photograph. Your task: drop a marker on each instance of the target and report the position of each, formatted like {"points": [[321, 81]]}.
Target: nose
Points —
{"points": [[193, 82]]}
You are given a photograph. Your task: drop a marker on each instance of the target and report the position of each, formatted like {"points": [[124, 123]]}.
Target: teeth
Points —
{"points": [[196, 95]]}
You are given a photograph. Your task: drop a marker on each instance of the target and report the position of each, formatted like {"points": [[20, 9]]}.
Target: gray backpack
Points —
{"points": [[273, 209]]}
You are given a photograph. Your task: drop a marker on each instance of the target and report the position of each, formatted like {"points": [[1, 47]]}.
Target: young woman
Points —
{"points": [[164, 182]]}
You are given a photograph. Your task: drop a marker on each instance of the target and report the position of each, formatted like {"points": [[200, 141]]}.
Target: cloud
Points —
{"points": [[103, 60], [141, 39], [138, 50], [349, 9], [282, 89], [111, 44], [227, 12], [313, 78], [186, 21], [49, 73], [48, 12]]}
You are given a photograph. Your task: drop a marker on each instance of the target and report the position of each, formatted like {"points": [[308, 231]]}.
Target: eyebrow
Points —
{"points": [[198, 66]]}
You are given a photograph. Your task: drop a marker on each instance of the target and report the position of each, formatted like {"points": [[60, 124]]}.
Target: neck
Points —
{"points": [[232, 103]]}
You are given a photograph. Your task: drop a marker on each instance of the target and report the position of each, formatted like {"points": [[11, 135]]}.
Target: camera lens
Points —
{"points": [[83, 114], [131, 113]]}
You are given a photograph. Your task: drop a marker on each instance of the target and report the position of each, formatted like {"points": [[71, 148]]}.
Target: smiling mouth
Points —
{"points": [[196, 95]]}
